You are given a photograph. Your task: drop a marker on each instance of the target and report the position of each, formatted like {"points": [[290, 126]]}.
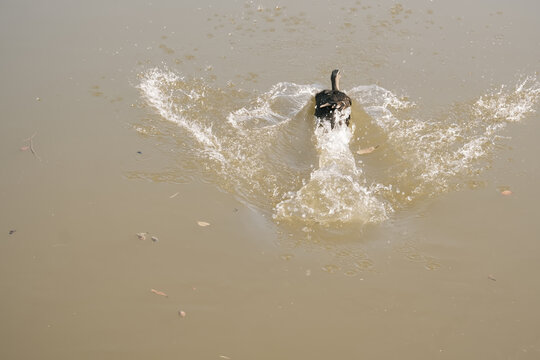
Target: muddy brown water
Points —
{"points": [[150, 117]]}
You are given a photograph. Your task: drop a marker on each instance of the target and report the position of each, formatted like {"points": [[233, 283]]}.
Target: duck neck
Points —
{"points": [[335, 82]]}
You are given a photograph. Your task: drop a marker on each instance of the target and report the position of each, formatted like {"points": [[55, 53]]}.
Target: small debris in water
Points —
{"points": [[330, 268], [182, 313], [31, 147], [174, 195], [368, 150], [308, 272], [432, 265], [142, 236], [38, 99], [160, 293], [154, 239], [11, 232], [224, 357], [506, 192], [491, 277], [203, 223], [350, 272], [139, 152], [235, 210]]}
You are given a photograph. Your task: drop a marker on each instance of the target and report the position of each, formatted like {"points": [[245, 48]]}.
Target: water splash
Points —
{"points": [[270, 152], [455, 144], [167, 92], [336, 190]]}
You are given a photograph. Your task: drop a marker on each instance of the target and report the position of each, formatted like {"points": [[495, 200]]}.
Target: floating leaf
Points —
{"points": [[368, 150], [160, 293]]}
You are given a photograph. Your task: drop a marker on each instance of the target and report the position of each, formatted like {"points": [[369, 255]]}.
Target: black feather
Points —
{"points": [[329, 101]]}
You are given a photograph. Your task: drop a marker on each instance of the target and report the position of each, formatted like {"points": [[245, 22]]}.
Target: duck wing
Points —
{"points": [[327, 101]]}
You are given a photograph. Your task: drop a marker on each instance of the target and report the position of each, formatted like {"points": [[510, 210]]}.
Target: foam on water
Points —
{"points": [[270, 152]]}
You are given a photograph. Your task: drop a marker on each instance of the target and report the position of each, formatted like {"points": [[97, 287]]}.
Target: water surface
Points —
{"points": [[153, 118]]}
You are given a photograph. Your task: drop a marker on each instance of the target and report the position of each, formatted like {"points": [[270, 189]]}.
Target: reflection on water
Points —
{"points": [[268, 152]]}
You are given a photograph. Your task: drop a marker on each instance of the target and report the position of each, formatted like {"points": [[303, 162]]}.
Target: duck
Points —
{"points": [[331, 104]]}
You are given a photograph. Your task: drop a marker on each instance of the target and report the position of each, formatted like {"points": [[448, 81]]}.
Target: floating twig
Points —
{"points": [[31, 146], [33, 150], [31, 137]]}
